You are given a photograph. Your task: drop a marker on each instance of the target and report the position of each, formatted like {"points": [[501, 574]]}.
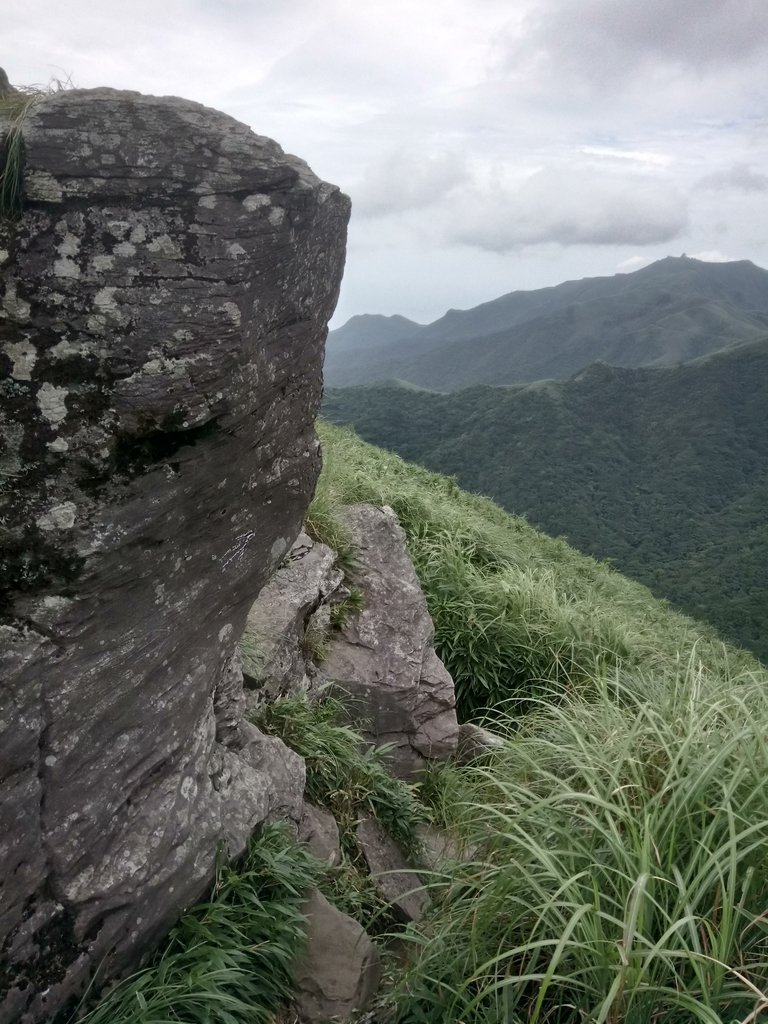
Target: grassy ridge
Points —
{"points": [[620, 872], [517, 614]]}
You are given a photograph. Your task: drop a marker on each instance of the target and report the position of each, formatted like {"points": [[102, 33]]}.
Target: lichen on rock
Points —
{"points": [[164, 300]]}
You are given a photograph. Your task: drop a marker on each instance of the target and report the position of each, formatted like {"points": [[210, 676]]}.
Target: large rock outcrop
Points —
{"points": [[164, 301]]}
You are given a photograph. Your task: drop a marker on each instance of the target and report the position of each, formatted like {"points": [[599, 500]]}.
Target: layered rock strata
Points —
{"points": [[164, 299]]}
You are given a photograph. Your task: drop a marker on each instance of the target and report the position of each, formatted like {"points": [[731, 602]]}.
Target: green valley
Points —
{"points": [[662, 471]]}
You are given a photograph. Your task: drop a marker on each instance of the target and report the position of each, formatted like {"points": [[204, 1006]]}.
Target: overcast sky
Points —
{"points": [[487, 145]]}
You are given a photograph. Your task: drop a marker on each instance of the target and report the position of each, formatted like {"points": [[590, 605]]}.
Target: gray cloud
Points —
{"points": [[609, 41], [409, 180], [572, 208], [487, 144], [740, 177]]}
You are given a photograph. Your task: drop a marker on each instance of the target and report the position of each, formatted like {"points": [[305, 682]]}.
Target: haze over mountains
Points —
{"points": [[672, 311], [662, 468]]}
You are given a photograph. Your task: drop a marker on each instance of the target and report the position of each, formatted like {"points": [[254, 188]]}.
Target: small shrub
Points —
{"points": [[315, 642], [322, 525], [342, 611], [14, 109]]}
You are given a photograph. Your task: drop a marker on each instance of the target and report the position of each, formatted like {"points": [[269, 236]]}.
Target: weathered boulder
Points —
{"points": [[398, 884], [273, 647], [339, 971], [319, 832], [164, 300], [476, 742], [383, 659]]}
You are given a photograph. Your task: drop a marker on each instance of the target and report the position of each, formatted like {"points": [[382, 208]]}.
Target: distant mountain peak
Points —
{"points": [[675, 310]]}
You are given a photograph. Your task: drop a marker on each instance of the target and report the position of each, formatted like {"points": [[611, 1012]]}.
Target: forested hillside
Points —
{"points": [[675, 310], [665, 472]]}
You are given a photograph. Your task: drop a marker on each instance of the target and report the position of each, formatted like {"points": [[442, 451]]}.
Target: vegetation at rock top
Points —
{"points": [[672, 311], [619, 840], [664, 471]]}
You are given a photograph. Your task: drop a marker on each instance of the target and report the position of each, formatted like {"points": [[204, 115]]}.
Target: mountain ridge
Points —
{"points": [[674, 310]]}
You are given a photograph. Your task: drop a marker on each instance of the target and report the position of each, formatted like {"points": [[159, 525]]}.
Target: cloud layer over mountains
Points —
{"points": [[487, 144]]}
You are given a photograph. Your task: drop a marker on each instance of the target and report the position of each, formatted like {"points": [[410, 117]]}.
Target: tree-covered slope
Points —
{"points": [[663, 471], [673, 311], [515, 611]]}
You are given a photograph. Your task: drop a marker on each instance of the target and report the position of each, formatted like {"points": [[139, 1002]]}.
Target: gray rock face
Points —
{"points": [[319, 832], [163, 306], [5, 85], [476, 742], [273, 641], [339, 971], [383, 658], [397, 882]]}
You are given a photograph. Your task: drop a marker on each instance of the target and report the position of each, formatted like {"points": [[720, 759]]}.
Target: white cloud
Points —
{"points": [[635, 156], [487, 144], [710, 256], [633, 263], [409, 180]]}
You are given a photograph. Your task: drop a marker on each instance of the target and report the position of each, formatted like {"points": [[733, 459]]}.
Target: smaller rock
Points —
{"points": [[397, 882], [440, 848], [272, 646], [382, 660], [319, 832], [339, 971], [283, 767], [476, 742]]}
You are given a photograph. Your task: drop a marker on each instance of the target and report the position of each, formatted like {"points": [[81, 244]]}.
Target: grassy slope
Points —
{"points": [[515, 612], [663, 471], [620, 835], [620, 871]]}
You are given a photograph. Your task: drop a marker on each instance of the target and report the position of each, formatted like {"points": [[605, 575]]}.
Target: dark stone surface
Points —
{"points": [[339, 970], [399, 691], [396, 881], [163, 307]]}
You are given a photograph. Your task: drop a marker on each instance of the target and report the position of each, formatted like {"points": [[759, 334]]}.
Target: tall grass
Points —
{"points": [[344, 774], [623, 874], [14, 108], [228, 960], [351, 780], [517, 615]]}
